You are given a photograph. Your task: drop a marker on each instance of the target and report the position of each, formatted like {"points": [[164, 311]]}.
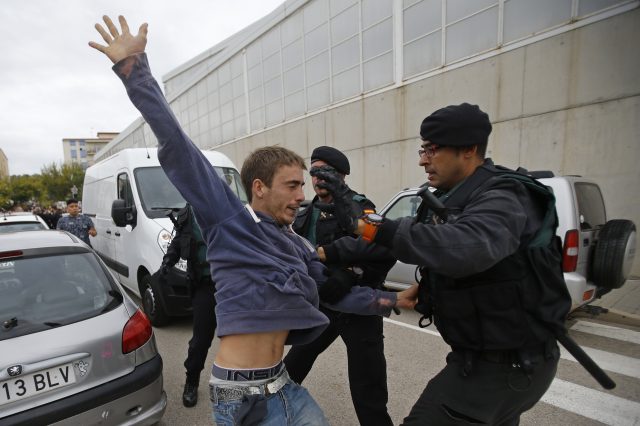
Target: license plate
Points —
{"points": [[18, 388]]}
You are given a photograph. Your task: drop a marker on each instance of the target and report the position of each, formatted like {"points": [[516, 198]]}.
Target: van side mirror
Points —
{"points": [[123, 215]]}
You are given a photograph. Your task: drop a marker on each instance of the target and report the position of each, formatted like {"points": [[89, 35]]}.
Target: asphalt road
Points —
{"points": [[413, 356]]}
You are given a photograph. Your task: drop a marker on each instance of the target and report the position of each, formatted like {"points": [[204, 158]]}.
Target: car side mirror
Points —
{"points": [[122, 214]]}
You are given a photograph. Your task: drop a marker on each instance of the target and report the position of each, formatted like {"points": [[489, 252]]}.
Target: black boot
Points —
{"points": [[190, 394]]}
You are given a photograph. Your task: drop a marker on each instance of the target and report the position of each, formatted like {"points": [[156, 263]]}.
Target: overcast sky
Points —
{"points": [[54, 86]]}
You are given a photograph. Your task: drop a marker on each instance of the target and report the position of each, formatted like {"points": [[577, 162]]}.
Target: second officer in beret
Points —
{"points": [[327, 223]]}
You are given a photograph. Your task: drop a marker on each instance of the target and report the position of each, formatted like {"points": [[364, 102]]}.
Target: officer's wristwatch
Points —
{"points": [[371, 223]]}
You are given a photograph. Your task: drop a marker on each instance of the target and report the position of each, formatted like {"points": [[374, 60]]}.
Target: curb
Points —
{"points": [[612, 316]]}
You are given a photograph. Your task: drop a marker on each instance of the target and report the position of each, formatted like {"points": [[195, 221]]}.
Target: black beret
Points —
{"points": [[457, 125], [332, 157]]}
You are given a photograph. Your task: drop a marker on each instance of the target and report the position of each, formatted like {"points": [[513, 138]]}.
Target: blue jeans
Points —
{"points": [[291, 405]]}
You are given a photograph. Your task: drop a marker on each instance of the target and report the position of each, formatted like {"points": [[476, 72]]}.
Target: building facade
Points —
{"points": [[83, 150], [4, 165], [558, 78]]}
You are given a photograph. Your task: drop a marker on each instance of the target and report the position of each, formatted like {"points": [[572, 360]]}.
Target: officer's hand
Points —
{"points": [[334, 184], [330, 180], [408, 298], [337, 285]]}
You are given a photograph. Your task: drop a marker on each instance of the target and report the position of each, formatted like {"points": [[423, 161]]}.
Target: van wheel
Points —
{"points": [[614, 253], [151, 302]]}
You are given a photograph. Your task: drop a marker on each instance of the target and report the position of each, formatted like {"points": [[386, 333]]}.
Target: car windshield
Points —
{"points": [[6, 227], [42, 292], [404, 207], [157, 193]]}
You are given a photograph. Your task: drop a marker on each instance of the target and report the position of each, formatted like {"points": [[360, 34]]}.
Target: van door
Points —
{"points": [[104, 192], [122, 235]]}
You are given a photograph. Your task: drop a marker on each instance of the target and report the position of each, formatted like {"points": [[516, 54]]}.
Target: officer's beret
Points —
{"points": [[332, 157], [457, 125]]}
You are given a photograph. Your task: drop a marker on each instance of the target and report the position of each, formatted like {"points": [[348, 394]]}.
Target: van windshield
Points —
{"points": [[158, 194]]}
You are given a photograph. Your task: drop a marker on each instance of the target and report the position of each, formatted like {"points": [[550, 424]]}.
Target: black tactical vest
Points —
{"points": [[328, 230], [189, 245], [519, 302]]}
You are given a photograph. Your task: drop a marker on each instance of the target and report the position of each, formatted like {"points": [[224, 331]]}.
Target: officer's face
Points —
{"points": [[444, 166], [281, 200], [322, 192], [73, 209]]}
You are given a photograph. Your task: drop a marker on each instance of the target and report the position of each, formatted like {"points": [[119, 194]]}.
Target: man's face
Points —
{"points": [[73, 209], [444, 165], [282, 200], [321, 192]]}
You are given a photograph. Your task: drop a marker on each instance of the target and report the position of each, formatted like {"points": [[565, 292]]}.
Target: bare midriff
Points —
{"points": [[251, 351]]}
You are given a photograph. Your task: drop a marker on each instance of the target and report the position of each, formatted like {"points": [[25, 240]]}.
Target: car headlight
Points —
{"points": [[164, 239]]}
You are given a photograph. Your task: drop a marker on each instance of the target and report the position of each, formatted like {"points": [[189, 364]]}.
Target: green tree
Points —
{"points": [[5, 194], [25, 188], [58, 180]]}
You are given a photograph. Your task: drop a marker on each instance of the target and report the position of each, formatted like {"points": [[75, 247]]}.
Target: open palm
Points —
{"points": [[120, 45]]}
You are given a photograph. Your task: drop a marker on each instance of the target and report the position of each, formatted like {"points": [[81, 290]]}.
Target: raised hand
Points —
{"points": [[119, 46]]}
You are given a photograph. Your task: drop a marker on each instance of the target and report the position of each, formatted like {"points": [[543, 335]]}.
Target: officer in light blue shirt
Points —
{"points": [[76, 223]]}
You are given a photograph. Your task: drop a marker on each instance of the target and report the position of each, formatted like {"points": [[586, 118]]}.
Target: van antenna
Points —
{"points": [[144, 140]]}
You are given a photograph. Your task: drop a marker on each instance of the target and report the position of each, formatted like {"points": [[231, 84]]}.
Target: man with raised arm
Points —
{"points": [[267, 277]]}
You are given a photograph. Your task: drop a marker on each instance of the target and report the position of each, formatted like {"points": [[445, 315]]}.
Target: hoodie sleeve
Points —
{"points": [[183, 162]]}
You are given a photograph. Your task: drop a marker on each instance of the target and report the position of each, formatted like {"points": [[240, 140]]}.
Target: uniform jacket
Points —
{"points": [[188, 244], [342, 248]]}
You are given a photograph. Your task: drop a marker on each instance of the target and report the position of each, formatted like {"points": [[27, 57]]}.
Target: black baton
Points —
{"points": [[586, 361]]}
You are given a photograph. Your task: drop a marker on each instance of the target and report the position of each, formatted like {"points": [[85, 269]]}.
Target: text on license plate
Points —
{"points": [[28, 385]]}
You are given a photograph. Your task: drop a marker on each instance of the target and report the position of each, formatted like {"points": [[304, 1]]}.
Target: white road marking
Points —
{"points": [[609, 361], [607, 331], [430, 330], [593, 404], [590, 403]]}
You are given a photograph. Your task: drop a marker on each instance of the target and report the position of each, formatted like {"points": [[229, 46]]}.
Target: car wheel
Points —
{"points": [[151, 303], [614, 253]]}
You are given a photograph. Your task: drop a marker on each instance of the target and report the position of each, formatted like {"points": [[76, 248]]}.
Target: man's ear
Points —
{"points": [[258, 188], [470, 151]]}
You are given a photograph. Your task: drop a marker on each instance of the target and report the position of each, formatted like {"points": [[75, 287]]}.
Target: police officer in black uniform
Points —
{"points": [[494, 299], [189, 245], [322, 223]]}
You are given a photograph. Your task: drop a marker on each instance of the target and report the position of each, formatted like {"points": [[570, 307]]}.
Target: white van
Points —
{"points": [[129, 197]]}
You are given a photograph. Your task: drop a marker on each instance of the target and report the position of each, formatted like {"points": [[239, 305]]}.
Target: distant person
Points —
{"points": [[76, 223], [51, 215], [189, 244], [267, 277]]}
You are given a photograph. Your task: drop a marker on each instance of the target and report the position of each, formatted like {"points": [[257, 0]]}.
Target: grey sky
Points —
{"points": [[54, 86]]}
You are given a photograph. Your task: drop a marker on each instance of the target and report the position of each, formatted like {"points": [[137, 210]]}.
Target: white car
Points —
{"points": [[597, 253], [14, 222]]}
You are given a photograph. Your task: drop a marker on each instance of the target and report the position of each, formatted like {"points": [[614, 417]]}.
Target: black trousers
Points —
{"points": [[204, 327], [364, 340], [492, 394]]}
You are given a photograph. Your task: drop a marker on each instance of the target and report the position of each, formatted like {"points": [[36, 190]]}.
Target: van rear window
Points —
{"points": [[590, 205]]}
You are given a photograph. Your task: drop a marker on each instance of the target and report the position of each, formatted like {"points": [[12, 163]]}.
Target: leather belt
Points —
{"points": [[225, 393]]}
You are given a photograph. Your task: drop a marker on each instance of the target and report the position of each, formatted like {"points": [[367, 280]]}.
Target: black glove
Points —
{"points": [[333, 183], [164, 269], [337, 285]]}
